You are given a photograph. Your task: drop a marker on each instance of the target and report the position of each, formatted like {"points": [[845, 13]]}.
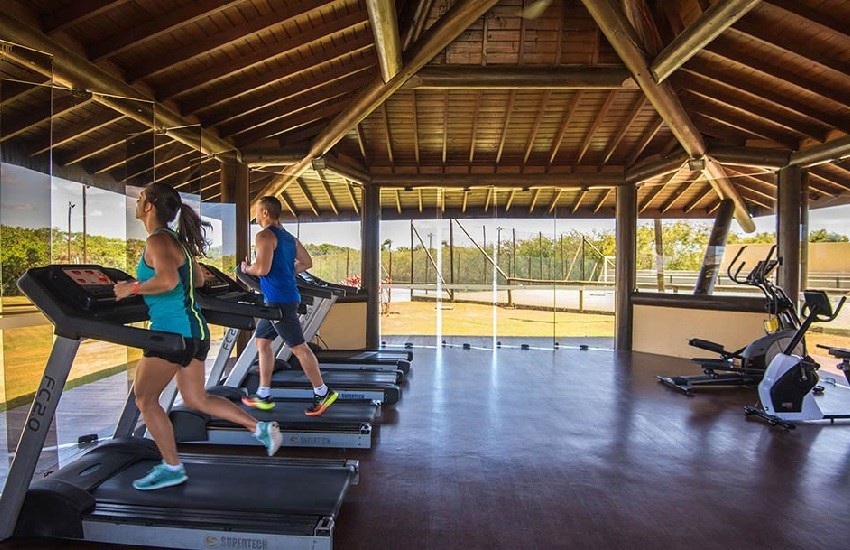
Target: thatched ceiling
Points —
{"points": [[524, 116]]}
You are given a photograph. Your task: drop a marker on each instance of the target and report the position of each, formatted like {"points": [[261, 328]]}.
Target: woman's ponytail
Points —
{"points": [[192, 231]]}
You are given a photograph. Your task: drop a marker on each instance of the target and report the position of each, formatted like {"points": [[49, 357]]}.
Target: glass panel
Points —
{"points": [[583, 256], [827, 265], [402, 258]]}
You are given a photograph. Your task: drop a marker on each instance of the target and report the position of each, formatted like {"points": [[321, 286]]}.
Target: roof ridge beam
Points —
{"points": [[471, 77]]}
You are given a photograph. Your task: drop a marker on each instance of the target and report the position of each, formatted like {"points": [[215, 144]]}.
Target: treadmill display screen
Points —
{"points": [[88, 277]]}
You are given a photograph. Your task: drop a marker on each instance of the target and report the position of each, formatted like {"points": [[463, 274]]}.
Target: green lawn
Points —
{"points": [[464, 319]]}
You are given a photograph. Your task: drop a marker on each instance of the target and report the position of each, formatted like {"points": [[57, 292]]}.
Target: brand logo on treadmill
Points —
{"points": [[236, 542], [310, 440]]}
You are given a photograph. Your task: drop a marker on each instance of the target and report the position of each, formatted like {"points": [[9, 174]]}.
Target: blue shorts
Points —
{"points": [[289, 327]]}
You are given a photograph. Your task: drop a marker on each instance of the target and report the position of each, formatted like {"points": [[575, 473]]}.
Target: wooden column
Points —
{"points": [[626, 234], [234, 190], [370, 236], [788, 229], [714, 249]]}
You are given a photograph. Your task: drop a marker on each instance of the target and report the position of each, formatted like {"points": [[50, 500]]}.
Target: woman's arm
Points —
{"points": [[159, 256]]}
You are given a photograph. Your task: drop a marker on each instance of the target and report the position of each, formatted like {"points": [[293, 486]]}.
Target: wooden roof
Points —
{"points": [[521, 108]]}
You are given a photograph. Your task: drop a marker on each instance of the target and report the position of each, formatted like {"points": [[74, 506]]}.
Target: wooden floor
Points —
{"points": [[584, 449]]}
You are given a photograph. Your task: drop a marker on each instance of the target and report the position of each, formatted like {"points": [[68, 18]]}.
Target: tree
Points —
{"points": [[824, 236]]}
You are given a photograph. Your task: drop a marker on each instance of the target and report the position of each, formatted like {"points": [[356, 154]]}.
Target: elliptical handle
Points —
{"points": [[732, 264]]}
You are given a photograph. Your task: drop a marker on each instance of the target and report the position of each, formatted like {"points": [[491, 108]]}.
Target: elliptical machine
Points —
{"points": [[789, 391], [745, 366]]}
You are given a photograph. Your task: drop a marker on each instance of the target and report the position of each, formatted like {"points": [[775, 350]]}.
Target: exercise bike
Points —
{"points": [[745, 366], [789, 391]]}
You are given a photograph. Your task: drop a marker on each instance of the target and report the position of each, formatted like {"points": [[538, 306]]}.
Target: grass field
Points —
{"points": [[463, 319]]}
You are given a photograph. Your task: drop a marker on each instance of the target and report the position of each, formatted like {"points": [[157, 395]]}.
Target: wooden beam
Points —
{"points": [[705, 192], [34, 118], [510, 199], [536, 127], [353, 198], [750, 156], [474, 129], [534, 198], [625, 41], [387, 134], [398, 200], [597, 121], [645, 138], [458, 18], [419, 196], [571, 180], [420, 18], [831, 151], [286, 202], [508, 111], [657, 167], [569, 111], [75, 72], [577, 204], [415, 112], [658, 188], [325, 108], [465, 200], [309, 196], [473, 77], [602, 200], [615, 142], [76, 12], [554, 202], [716, 19], [327, 188], [445, 125], [806, 14], [361, 141], [343, 168], [382, 16]]}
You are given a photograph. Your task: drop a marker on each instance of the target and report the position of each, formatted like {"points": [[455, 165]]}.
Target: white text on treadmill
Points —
{"points": [[236, 542]]}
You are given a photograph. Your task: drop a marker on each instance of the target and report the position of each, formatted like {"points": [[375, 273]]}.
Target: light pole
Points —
{"points": [[70, 207]]}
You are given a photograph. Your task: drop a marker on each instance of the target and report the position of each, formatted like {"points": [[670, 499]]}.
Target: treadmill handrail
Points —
{"points": [[213, 303]]}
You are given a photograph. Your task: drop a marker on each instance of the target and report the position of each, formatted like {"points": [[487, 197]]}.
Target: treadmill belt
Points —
{"points": [[290, 414], [263, 488], [335, 378]]}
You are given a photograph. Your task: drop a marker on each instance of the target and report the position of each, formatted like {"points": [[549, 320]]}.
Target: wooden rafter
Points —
{"points": [[818, 182], [445, 125], [76, 12], [594, 126], [658, 188], [384, 21], [534, 198], [34, 118], [704, 192], [295, 45], [415, 128], [420, 17], [353, 198], [716, 19], [569, 111], [828, 175], [618, 137], [554, 203], [398, 200], [361, 141], [309, 196], [329, 107], [465, 200], [154, 27], [288, 203], [501, 180], [604, 197], [474, 127], [419, 196], [458, 18], [536, 126], [644, 140], [508, 111], [510, 200], [809, 15], [677, 194], [387, 134], [323, 178], [488, 199]]}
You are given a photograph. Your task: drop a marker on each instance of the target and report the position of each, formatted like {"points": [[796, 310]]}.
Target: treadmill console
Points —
{"points": [[88, 288]]}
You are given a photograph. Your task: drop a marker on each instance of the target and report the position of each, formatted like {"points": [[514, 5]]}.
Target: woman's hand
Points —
{"points": [[123, 290]]}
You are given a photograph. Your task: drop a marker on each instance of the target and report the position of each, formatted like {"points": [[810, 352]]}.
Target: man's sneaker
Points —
{"points": [[320, 403], [257, 402], [160, 477], [268, 433]]}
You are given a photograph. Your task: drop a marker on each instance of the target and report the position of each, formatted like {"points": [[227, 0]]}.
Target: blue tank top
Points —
{"points": [[279, 285], [176, 310]]}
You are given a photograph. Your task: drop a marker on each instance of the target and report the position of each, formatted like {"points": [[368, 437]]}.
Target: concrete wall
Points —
{"points": [[823, 257]]}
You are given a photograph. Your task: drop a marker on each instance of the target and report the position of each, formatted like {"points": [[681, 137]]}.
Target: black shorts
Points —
{"points": [[195, 349], [289, 327]]}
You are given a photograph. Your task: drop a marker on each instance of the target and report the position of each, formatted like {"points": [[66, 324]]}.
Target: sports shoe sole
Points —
{"points": [[171, 483], [276, 437], [259, 405], [324, 407]]}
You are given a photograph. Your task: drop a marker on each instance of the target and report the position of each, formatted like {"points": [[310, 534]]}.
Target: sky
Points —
{"points": [[27, 200]]}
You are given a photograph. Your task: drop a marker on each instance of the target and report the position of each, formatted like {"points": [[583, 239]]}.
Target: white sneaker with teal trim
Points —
{"points": [[268, 433], [160, 477]]}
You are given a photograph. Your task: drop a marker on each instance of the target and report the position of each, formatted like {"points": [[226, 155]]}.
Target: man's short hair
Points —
{"points": [[272, 205]]}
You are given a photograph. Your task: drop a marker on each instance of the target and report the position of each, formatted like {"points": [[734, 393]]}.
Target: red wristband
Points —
{"points": [[135, 288]]}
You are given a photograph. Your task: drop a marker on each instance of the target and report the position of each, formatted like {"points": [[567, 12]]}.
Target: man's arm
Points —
{"points": [[266, 243], [303, 261]]}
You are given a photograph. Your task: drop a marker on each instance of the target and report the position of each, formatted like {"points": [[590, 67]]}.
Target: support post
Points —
{"points": [[714, 249], [371, 267], [626, 235], [659, 254], [788, 229], [804, 231], [234, 190]]}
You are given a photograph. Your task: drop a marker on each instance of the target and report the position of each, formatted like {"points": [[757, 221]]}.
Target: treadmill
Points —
{"points": [[235, 502], [360, 383], [367, 356], [345, 425]]}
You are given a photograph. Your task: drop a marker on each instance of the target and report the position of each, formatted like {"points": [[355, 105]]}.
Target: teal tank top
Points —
{"points": [[176, 310]]}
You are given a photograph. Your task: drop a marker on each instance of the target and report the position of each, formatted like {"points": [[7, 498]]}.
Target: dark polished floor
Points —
{"points": [[584, 449]]}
